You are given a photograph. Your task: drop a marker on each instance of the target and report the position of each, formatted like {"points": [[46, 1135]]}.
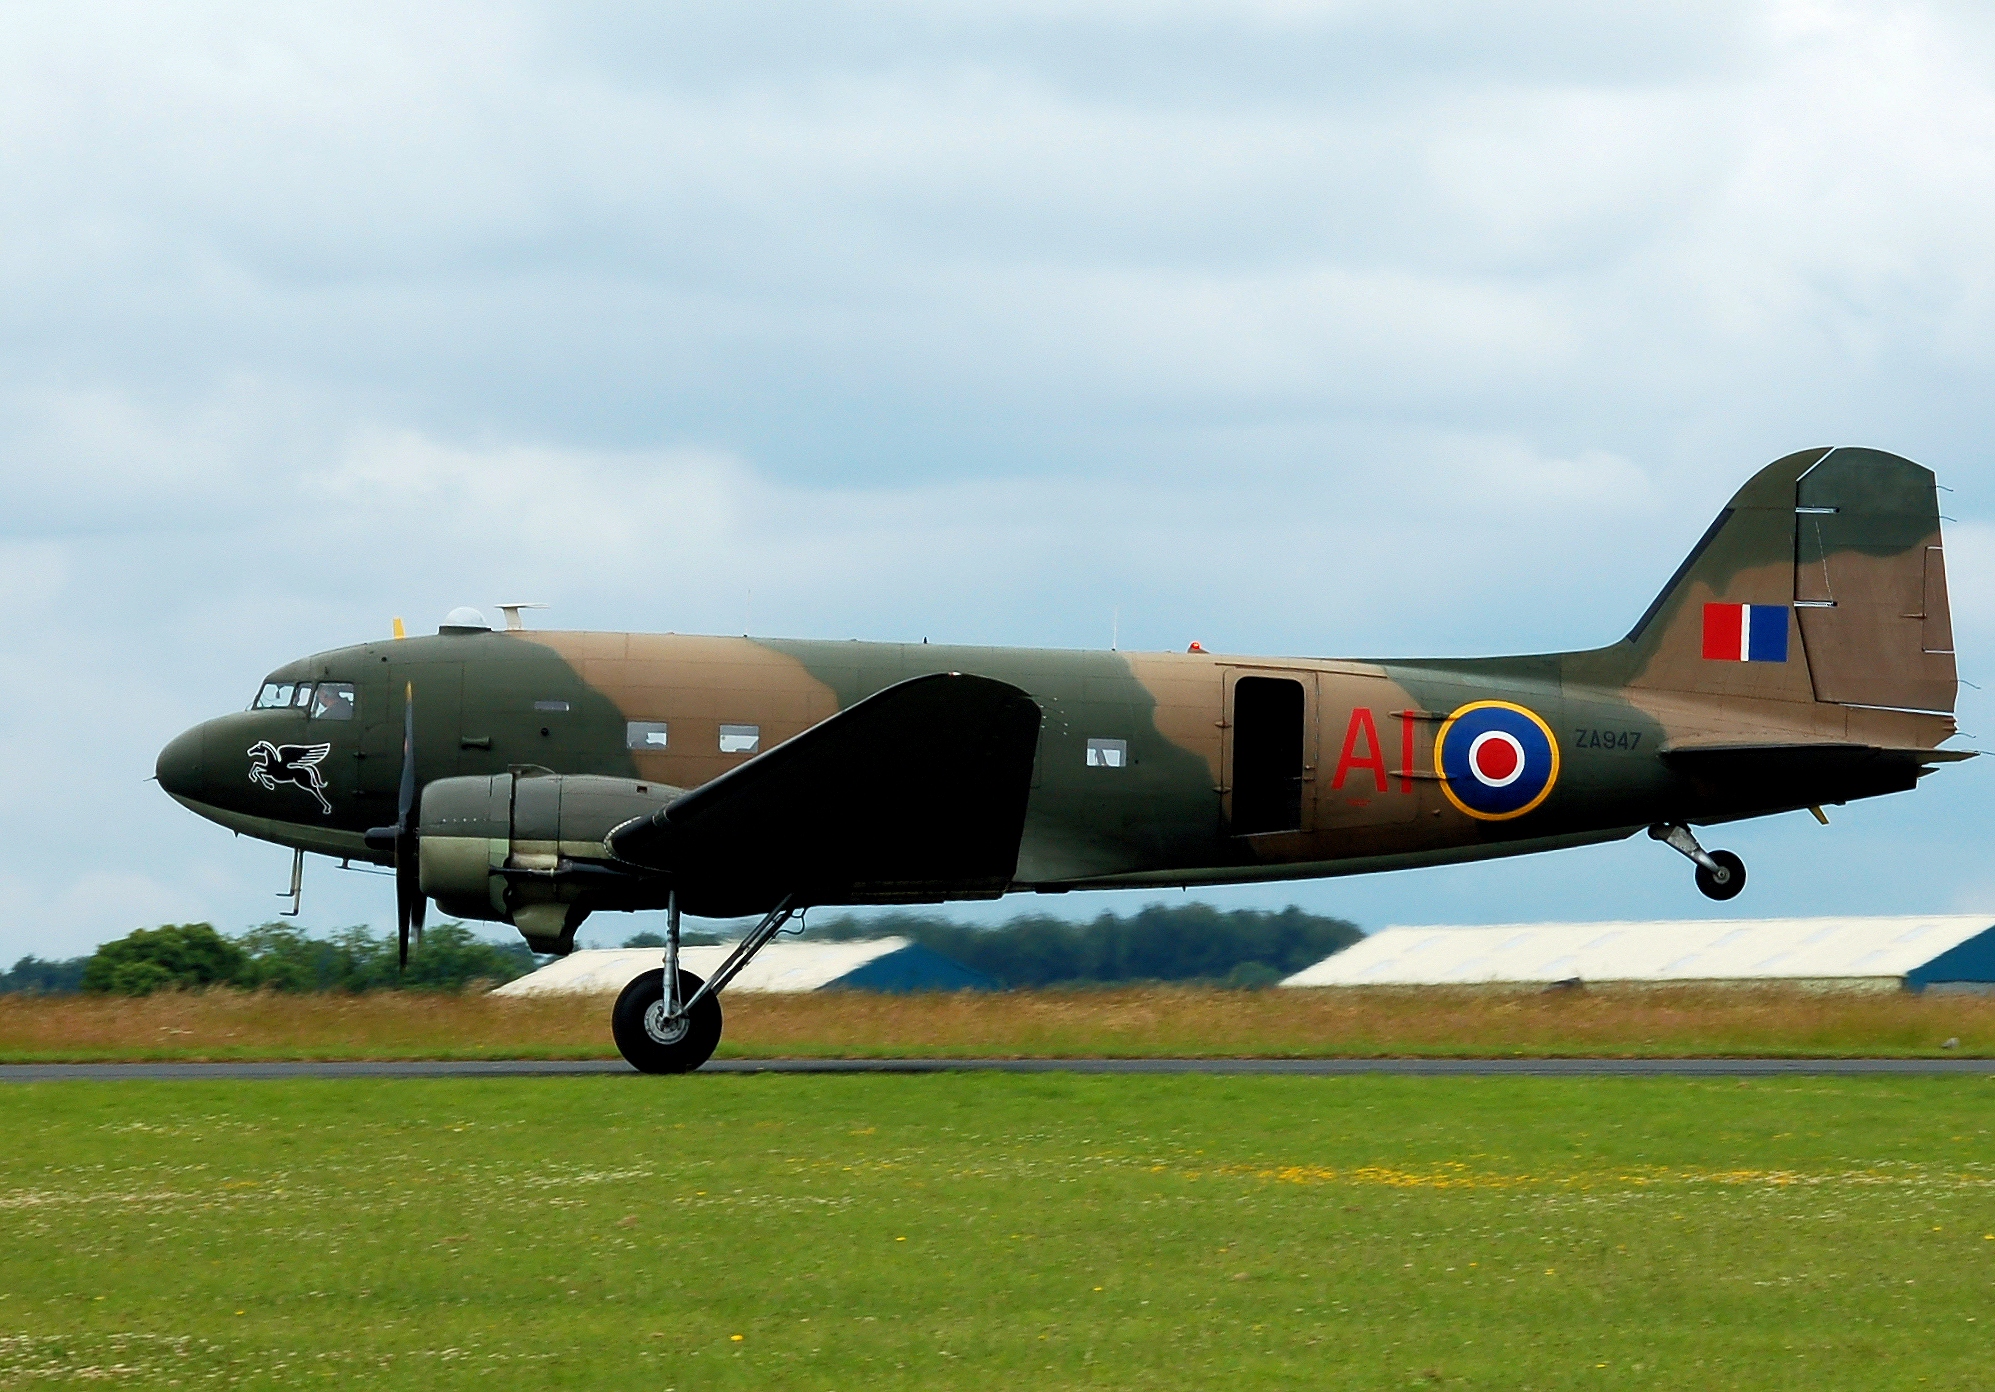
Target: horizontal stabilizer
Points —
{"points": [[1803, 775], [914, 793]]}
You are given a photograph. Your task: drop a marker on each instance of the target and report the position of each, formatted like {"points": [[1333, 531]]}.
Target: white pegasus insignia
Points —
{"points": [[296, 764]]}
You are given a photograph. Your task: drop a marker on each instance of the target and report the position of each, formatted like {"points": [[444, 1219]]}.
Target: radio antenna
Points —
{"points": [[512, 613]]}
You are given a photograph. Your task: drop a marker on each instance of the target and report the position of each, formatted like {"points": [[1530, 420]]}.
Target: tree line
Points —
{"points": [[276, 956], [1185, 943]]}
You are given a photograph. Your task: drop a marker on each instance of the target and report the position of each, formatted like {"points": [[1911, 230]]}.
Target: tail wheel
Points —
{"points": [[654, 1044], [1729, 883]]}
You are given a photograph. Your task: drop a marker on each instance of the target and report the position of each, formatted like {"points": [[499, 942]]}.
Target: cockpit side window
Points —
{"points": [[332, 701]]}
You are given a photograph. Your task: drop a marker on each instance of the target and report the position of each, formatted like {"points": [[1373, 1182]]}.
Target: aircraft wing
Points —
{"points": [[915, 792], [1800, 775]]}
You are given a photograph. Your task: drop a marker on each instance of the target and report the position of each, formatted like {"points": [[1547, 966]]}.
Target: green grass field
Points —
{"points": [[1023, 1231]]}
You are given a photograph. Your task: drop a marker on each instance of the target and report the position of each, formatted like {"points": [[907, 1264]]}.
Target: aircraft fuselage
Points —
{"points": [[1151, 768]]}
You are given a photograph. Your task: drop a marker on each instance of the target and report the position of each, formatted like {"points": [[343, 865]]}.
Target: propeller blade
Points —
{"points": [[409, 900], [409, 906], [405, 804]]}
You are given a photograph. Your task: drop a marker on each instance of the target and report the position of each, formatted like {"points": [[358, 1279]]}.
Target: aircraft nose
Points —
{"points": [[179, 767]]}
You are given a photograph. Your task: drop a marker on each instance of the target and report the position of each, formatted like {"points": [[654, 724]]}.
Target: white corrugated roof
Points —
{"points": [[781, 966], [1695, 950]]}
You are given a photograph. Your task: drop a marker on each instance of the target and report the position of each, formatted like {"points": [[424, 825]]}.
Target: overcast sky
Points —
{"points": [[1323, 329]]}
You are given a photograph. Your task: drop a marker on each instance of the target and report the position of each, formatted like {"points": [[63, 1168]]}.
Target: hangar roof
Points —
{"points": [[778, 967], [1697, 950]]}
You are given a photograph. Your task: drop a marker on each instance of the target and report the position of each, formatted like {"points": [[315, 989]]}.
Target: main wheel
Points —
{"points": [[649, 1041], [1725, 885]]}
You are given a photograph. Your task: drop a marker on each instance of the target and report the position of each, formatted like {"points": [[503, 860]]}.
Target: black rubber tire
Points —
{"points": [[648, 1053], [1735, 877]]}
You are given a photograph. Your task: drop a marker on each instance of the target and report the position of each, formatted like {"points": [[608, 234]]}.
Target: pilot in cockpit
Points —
{"points": [[332, 701]]}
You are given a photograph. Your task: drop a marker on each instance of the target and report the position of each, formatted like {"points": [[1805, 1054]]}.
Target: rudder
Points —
{"points": [[1870, 586]]}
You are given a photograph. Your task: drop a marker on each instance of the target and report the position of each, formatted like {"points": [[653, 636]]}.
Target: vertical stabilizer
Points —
{"points": [[1822, 580]]}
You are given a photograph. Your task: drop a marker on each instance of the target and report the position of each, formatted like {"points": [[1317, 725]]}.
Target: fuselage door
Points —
{"points": [[1270, 733]]}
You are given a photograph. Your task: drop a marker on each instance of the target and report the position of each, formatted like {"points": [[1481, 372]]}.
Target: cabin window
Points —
{"points": [[283, 695], [1108, 753], [556, 706], [332, 701], [740, 739], [644, 735]]}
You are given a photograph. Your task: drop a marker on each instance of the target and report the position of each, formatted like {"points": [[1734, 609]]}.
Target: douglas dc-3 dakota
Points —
{"points": [[1802, 655]]}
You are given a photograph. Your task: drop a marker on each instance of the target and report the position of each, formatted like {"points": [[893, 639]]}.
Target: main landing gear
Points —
{"points": [[675, 1030], [1720, 874]]}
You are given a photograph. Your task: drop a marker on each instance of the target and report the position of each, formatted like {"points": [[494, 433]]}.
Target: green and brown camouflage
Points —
{"points": [[565, 773]]}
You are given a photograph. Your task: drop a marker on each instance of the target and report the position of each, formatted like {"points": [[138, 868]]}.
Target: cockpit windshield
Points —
{"points": [[279, 695], [321, 700]]}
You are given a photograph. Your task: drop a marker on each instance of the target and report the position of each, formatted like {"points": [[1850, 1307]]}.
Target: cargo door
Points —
{"points": [[1269, 736]]}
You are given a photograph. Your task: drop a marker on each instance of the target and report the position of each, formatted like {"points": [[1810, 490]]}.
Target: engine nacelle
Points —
{"points": [[527, 848]]}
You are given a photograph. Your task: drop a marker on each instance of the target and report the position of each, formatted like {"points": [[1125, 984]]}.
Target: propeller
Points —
{"points": [[410, 901], [411, 904]]}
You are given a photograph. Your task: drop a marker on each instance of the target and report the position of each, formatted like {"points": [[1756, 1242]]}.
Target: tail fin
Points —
{"points": [[1823, 580]]}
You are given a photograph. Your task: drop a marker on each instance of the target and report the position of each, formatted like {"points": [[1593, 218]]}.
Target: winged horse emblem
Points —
{"points": [[296, 764]]}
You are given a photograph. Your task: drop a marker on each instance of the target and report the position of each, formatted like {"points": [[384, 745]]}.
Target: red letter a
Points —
{"points": [[1361, 723]]}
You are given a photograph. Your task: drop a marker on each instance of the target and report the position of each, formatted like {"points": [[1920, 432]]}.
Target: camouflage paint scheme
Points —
{"points": [[1647, 730]]}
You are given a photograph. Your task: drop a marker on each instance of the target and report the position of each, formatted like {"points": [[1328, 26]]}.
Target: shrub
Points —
{"points": [[36, 976], [452, 956], [282, 957], [151, 959]]}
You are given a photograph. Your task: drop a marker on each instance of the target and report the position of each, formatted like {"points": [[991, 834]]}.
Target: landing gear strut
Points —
{"points": [[1720, 874], [668, 1020]]}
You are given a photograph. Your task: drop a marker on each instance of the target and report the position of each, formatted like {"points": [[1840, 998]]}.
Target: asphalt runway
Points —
{"points": [[1303, 1068]]}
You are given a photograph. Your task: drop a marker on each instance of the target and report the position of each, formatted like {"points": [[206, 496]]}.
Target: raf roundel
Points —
{"points": [[1496, 760]]}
